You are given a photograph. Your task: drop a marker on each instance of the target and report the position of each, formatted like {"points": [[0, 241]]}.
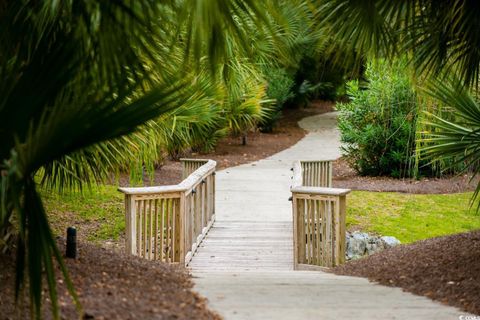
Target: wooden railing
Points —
{"points": [[167, 223], [318, 216], [189, 166], [317, 173]]}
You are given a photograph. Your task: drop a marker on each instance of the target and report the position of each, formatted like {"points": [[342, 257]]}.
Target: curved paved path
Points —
{"points": [[244, 265]]}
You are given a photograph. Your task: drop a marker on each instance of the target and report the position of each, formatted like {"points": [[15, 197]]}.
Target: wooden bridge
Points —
{"points": [[242, 238]]}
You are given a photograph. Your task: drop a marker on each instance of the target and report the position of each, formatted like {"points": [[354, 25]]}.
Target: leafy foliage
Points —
{"points": [[455, 132], [279, 89], [442, 42], [322, 74], [441, 36], [378, 125]]}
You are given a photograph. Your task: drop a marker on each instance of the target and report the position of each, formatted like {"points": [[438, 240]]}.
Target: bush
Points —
{"points": [[279, 89], [379, 123]]}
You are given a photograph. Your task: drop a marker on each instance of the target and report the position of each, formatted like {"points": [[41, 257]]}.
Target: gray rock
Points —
{"points": [[356, 245], [390, 242], [374, 244], [361, 244]]}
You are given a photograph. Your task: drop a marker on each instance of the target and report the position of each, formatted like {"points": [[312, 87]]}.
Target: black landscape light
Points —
{"points": [[71, 251]]}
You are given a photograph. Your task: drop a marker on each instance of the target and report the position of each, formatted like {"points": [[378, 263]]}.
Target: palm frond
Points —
{"points": [[455, 135], [440, 36]]}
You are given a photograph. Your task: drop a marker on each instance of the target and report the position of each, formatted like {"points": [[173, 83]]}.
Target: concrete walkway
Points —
{"points": [[244, 265]]}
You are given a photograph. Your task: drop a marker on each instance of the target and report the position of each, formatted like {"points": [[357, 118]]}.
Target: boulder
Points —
{"points": [[356, 245], [390, 242], [360, 244], [374, 244]]}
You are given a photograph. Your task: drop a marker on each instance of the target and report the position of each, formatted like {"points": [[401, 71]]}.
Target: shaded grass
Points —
{"points": [[411, 217], [98, 214]]}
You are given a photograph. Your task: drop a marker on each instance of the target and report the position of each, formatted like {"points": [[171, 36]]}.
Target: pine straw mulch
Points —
{"points": [[446, 269], [113, 286]]}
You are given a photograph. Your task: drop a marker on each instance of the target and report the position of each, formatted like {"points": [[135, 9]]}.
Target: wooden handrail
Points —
{"points": [[167, 223], [188, 183], [318, 216], [320, 191]]}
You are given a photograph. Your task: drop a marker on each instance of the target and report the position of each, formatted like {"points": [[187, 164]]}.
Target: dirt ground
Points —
{"points": [[114, 286], [446, 269]]}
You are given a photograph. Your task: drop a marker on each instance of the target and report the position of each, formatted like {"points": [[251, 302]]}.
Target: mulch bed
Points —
{"points": [[345, 177], [114, 286], [446, 269]]}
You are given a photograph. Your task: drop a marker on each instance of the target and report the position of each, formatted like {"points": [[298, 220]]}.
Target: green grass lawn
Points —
{"points": [[98, 214], [411, 217]]}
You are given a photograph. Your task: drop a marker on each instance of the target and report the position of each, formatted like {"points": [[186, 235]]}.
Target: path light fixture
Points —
{"points": [[71, 250]]}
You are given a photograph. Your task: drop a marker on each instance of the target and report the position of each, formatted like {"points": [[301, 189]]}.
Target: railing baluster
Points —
{"points": [[162, 229], [155, 243], [139, 229]]}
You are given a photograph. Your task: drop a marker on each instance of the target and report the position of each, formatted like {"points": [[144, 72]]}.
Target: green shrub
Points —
{"points": [[279, 89], [378, 125]]}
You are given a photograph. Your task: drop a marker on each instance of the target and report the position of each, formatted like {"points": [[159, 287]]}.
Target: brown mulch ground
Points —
{"points": [[115, 286], [446, 269], [345, 177]]}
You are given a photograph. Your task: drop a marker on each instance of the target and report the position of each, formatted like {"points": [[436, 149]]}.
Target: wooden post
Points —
{"points": [[342, 233], [295, 231], [330, 174], [213, 191], [301, 231], [182, 228], [131, 225]]}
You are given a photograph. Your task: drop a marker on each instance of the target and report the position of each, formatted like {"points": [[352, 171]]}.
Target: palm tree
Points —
{"points": [[74, 79], [442, 40]]}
